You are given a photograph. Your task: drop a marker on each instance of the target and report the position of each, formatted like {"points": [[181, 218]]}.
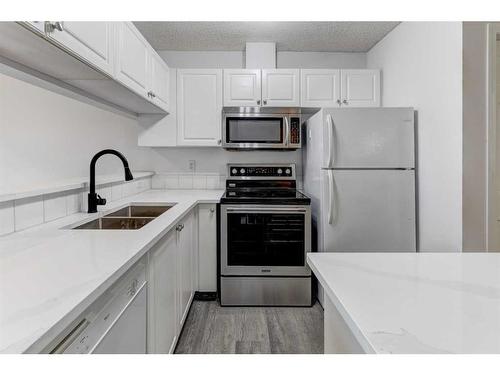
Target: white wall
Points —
{"points": [[285, 59], [46, 137], [475, 133], [421, 66]]}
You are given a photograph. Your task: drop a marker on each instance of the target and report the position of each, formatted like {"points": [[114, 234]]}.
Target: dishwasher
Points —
{"points": [[115, 323]]}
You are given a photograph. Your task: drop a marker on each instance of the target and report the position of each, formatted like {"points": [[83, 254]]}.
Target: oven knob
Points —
{"points": [[235, 171], [287, 171], [279, 171], [242, 171]]}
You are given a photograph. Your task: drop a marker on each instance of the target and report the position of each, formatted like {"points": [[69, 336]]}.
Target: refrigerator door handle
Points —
{"points": [[329, 122], [330, 196]]}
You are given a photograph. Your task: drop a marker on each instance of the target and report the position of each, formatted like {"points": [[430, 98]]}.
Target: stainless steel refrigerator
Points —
{"points": [[359, 170]]}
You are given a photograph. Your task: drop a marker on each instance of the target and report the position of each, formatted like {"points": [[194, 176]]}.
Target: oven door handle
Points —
{"points": [[266, 210]]}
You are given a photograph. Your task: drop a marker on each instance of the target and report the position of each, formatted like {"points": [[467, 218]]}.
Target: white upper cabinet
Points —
{"points": [[320, 87], [199, 107], [159, 84], [90, 41], [132, 58], [360, 87], [242, 87], [280, 87]]}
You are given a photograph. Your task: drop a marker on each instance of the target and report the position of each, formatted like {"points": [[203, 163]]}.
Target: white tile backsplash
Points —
{"points": [[116, 192], [54, 206], [16, 215], [199, 182], [73, 203], [28, 212], [185, 181], [6, 217], [213, 182], [172, 182]]}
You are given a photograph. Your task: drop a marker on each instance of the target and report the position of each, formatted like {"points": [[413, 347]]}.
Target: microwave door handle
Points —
{"points": [[287, 131]]}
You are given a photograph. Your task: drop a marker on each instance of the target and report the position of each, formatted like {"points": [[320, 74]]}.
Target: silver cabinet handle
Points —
{"points": [[52, 26], [258, 102], [219, 142], [265, 102], [212, 210], [153, 94], [339, 102], [344, 102]]}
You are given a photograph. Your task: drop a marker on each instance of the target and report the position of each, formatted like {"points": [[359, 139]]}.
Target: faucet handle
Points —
{"points": [[100, 201]]}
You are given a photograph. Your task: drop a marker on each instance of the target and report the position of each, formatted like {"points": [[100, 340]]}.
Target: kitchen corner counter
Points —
{"points": [[412, 302], [49, 275]]}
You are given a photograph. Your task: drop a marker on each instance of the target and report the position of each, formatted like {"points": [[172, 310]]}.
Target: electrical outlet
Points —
{"points": [[192, 165]]}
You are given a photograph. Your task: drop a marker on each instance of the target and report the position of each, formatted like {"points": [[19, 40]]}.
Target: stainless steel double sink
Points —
{"points": [[132, 216]]}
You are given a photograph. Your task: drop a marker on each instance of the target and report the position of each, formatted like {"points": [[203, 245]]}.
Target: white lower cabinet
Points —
{"points": [[172, 281], [163, 296], [207, 249]]}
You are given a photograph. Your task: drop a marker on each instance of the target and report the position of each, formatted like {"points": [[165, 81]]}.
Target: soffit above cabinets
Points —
{"points": [[289, 36]]}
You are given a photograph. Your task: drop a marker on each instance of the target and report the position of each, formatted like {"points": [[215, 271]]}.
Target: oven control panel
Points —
{"points": [[252, 171], [295, 130]]}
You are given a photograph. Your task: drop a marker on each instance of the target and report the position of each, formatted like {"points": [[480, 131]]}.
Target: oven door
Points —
{"points": [[245, 130], [258, 240]]}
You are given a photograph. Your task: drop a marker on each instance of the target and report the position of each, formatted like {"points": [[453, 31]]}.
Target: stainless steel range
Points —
{"points": [[265, 234]]}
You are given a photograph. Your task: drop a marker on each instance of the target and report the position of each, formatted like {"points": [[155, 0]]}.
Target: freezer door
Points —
{"points": [[368, 210], [368, 138]]}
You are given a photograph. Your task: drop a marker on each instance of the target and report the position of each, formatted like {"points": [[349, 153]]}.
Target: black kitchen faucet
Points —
{"points": [[94, 199]]}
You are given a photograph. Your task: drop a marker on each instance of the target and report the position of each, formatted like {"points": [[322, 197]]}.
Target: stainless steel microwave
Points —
{"points": [[261, 128]]}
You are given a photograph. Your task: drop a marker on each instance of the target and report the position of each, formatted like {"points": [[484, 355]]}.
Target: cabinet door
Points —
{"points": [[163, 296], [132, 58], [280, 87], [360, 87], [186, 278], [242, 87], [320, 87], [159, 75], [91, 41], [37, 26], [199, 107], [207, 248]]}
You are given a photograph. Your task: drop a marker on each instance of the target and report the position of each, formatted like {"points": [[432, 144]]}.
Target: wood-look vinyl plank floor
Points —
{"points": [[213, 329]]}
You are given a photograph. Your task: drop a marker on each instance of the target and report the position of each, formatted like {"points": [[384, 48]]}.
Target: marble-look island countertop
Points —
{"points": [[49, 275], [415, 302]]}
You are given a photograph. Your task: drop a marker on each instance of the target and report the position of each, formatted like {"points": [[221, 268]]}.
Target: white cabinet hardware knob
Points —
{"points": [[212, 210], [265, 102], [219, 142], [339, 102], [344, 101], [258, 102]]}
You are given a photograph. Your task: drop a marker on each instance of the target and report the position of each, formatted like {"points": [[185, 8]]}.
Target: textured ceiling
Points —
{"points": [[289, 36]]}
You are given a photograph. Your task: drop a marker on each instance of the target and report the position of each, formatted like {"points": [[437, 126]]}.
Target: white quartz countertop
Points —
{"points": [[50, 275], [415, 302]]}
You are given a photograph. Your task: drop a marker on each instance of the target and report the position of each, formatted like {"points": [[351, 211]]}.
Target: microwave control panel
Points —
{"points": [[295, 130]]}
